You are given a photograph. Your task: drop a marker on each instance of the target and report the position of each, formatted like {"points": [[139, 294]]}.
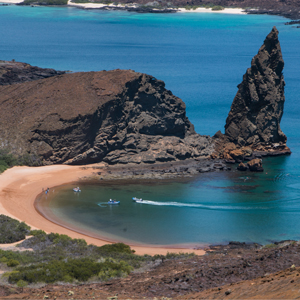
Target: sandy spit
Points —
{"points": [[19, 187]]}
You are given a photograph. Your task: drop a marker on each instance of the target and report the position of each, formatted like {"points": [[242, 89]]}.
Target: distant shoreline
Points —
{"points": [[236, 11], [293, 13], [133, 7]]}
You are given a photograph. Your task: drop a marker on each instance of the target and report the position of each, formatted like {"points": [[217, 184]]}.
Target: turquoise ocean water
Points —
{"points": [[201, 58]]}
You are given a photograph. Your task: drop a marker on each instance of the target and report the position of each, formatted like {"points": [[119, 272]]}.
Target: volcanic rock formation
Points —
{"points": [[14, 72], [116, 116], [256, 111]]}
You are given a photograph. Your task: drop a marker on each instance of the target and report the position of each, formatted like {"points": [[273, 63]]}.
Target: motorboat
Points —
{"points": [[135, 199], [76, 189], [112, 202]]}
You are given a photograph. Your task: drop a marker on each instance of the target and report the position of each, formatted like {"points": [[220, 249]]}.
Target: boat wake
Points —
{"points": [[204, 206]]}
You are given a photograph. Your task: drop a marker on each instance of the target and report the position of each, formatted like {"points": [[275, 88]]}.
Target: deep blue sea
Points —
{"points": [[201, 58]]}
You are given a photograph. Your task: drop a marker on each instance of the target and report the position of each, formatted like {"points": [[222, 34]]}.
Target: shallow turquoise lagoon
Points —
{"points": [[201, 58]]}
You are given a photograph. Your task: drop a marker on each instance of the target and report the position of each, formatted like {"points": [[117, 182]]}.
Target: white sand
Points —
{"points": [[11, 1], [235, 11]]}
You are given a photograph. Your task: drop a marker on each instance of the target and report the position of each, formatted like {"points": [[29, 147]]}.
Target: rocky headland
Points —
{"points": [[252, 128], [117, 116], [125, 117]]}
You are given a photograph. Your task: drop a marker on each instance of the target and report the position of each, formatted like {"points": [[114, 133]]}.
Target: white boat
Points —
{"points": [[113, 202], [76, 189], [138, 200]]}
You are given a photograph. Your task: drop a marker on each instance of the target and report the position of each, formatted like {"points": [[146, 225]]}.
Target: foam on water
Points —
{"points": [[203, 206]]}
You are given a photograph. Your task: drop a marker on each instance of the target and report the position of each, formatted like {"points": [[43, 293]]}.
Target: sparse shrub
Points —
{"points": [[12, 263], [217, 7], [68, 278], [268, 246], [21, 283], [3, 259], [191, 7], [80, 269], [12, 230], [171, 255], [37, 232], [118, 247]]}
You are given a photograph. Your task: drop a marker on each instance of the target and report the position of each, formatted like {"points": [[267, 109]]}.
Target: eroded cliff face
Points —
{"points": [[116, 116], [256, 111]]}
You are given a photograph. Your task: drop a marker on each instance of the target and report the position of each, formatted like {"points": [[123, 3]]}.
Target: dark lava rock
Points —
{"points": [[15, 72], [257, 108], [118, 116]]}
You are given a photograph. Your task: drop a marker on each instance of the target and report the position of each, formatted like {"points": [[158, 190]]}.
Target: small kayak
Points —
{"points": [[112, 202], [76, 189], [135, 199]]}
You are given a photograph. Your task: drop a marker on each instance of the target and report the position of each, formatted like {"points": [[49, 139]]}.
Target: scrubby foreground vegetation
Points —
{"points": [[55, 266], [12, 230], [8, 160], [54, 258]]}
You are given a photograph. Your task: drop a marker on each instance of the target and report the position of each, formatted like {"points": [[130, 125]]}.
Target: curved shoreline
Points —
{"points": [[20, 186]]}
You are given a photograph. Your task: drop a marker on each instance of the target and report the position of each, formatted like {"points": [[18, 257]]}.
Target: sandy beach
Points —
{"points": [[19, 187]]}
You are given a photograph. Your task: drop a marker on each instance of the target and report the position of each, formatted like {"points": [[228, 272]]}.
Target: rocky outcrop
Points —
{"points": [[14, 72], [256, 111], [252, 127], [116, 116], [257, 108], [127, 117], [255, 165]]}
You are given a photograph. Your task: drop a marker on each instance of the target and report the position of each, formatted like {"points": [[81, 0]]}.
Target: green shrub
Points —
{"points": [[7, 274], [21, 283], [3, 259], [37, 232], [12, 263], [217, 7], [8, 160], [73, 269], [12, 230], [118, 247], [191, 7], [268, 246]]}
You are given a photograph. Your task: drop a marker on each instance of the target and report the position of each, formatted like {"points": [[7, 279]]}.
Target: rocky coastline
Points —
{"points": [[122, 117]]}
